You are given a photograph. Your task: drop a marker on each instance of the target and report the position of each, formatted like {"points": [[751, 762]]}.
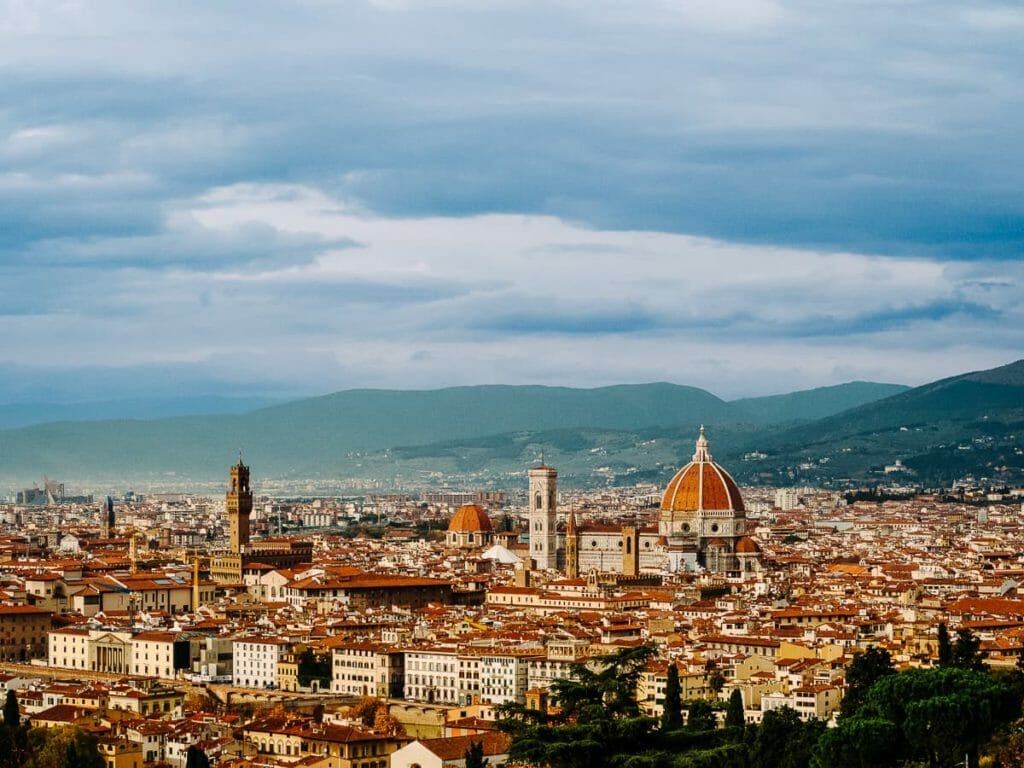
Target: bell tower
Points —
{"points": [[572, 547], [239, 506], [543, 504]]}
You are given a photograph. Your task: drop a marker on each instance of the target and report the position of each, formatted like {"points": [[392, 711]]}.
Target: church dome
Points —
{"points": [[747, 546], [701, 485], [470, 518]]}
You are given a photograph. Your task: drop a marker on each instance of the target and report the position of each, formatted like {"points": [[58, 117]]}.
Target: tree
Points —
{"points": [[716, 681], [474, 756], [945, 648], [940, 714], [598, 723], [967, 651], [867, 667], [63, 748], [672, 714], [857, 743], [735, 719], [700, 716], [196, 758], [12, 713], [313, 667], [783, 740]]}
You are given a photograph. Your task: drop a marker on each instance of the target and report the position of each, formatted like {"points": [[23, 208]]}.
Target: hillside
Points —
{"points": [[811, 404], [972, 424], [312, 437], [485, 435]]}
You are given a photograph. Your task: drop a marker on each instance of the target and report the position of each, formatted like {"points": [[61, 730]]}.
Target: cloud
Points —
{"points": [[327, 294], [379, 192]]}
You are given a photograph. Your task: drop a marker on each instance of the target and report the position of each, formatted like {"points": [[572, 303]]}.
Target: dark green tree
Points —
{"points": [[945, 647], [867, 667], [967, 651], [783, 740], [474, 756], [598, 724], [12, 714], [62, 748], [941, 714], [716, 681], [700, 716], [196, 758], [672, 714], [857, 743], [313, 667], [735, 719]]}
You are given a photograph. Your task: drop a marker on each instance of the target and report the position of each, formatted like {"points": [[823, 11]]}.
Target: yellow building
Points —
{"points": [[120, 753]]}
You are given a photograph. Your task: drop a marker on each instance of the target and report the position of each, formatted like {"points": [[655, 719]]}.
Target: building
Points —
{"points": [[239, 506], [255, 661], [450, 752], [701, 525], [367, 669], [345, 746], [470, 528], [161, 654], [23, 630], [543, 505], [703, 519], [432, 675]]}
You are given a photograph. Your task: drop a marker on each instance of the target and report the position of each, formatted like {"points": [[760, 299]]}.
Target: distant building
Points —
{"points": [[701, 524], [470, 528], [239, 506]]}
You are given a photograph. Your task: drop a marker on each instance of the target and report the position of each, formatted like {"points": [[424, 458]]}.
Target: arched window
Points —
{"points": [[538, 501]]}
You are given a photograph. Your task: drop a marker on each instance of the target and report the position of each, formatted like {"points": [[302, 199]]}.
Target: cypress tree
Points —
{"points": [[945, 647], [12, 715], [672, 714], [734, 714]]}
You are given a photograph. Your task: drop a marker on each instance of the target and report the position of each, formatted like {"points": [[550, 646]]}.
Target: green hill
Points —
{"points": [[313, 436], [972, 424], [486, 435], [811, 404]]}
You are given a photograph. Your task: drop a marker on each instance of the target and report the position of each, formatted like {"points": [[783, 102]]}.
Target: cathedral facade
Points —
{"points": [[701, 525]]}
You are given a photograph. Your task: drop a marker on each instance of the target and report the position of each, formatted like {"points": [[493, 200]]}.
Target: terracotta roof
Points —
{"points": [[701, 484], [470, 518], [455, 747]]}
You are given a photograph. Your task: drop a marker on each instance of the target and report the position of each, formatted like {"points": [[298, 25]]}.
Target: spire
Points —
{"points": [[702, 454], [570, 526]]}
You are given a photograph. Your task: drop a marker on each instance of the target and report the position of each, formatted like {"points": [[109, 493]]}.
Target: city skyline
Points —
{"points": [[280, 201]]}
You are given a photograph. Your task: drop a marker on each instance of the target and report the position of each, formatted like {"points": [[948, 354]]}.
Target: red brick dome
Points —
{"points": [[702, 484], [470, 518], [747, 546]]}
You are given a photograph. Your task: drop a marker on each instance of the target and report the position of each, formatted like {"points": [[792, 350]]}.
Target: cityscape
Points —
{"points": [[439, 384]]}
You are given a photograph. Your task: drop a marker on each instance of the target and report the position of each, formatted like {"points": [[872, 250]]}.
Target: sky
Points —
{"points": [[277, 199]]}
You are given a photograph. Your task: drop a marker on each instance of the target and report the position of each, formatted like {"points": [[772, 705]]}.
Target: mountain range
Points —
{"points": [[485, 436]]}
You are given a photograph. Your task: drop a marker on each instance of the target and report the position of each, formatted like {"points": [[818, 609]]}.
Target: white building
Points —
{"points": [[255, 661], [543, 509], [367, 669], [153, 654], [432, 675]]}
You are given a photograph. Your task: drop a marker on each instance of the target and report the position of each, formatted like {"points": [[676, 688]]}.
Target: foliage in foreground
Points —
{"points": [[920, 717]]}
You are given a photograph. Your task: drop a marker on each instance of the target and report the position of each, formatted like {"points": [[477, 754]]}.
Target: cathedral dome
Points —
{"points": [[747, 546], [470, 518], [701, 485]]}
